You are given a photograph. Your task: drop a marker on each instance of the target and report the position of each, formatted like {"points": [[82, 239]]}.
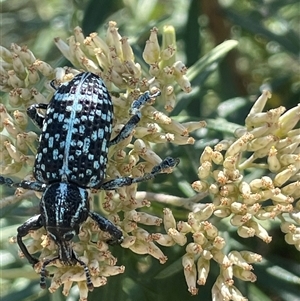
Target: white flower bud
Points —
{"points": [[190, 273], [259, 104], [134, 69], [38, 97], [129, 226], [203, 267], [227, 273], [184, 227], [113, 38], [291, 148], [169, 220], [251, 257], [239, 220], [239, 145], [220, 177], [291, 188], [295, 216], [14, 80], [219, 243], [63, 47], [260, 231], [26, 56], [148, 219], [180, 68], [139, 247], [205, 213], [178, 237], [199, 238], [163, 239], [180, 140], [288, 120], [284, 175], [141, 234], [5, 54], [245, 189], [236, 294], [188, 261], [184, 83], [128, 54], [159, 138], [156, 252], [261, 130], [204, 170], [14, 97], [210, 229], [156, 115], [11, 128], [217, 157], [206, 155], [146, 153], [79, 37], [245, 275], [221, 258], [259, 143], [128, 241], [194, 125], [281, 198], [89, 65], [44, 68], [100, 44], [273, 161], [287, 227], [152, 49], [287, 159], [222, 212], [193, 248], [168, 52], [18, 66], [33, 75], [220, 290], [237, 259]]}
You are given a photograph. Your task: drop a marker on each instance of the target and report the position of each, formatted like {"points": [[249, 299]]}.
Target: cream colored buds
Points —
{"points": [[18, 66], [288, 120], [177, 236], [244, 180], [5, 54], [163, 239], [113, 38], [169, 220], [63, 48], [145, 152], [151, 52], [283, 176], [190, 273], [239, 145], [259, 104], [204, 213]]}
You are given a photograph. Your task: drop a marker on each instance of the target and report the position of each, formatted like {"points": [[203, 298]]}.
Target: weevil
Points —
{"points": [[72, 158]]}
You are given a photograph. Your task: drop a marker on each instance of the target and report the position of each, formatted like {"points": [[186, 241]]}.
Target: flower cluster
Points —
{"points": [[268, 142], [112, 59]]}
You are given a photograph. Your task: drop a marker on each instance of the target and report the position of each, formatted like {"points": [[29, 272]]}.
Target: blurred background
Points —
{"points": [[267, 57]]}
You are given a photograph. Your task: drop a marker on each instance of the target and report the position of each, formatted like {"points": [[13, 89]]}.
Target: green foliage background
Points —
{"points": [[267, 56]]}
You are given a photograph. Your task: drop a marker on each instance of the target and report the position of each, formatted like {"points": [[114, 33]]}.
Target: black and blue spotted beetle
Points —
{"points": [[71, 158]]}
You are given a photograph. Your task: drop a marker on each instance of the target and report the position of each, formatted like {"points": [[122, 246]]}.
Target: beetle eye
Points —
{"points": [[68, 236]]}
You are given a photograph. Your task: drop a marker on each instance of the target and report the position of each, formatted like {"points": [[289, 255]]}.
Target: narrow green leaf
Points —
{"points": [[213, 57]]}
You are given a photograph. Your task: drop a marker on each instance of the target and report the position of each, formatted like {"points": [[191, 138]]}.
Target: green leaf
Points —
{"points": [[209, 61]]}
